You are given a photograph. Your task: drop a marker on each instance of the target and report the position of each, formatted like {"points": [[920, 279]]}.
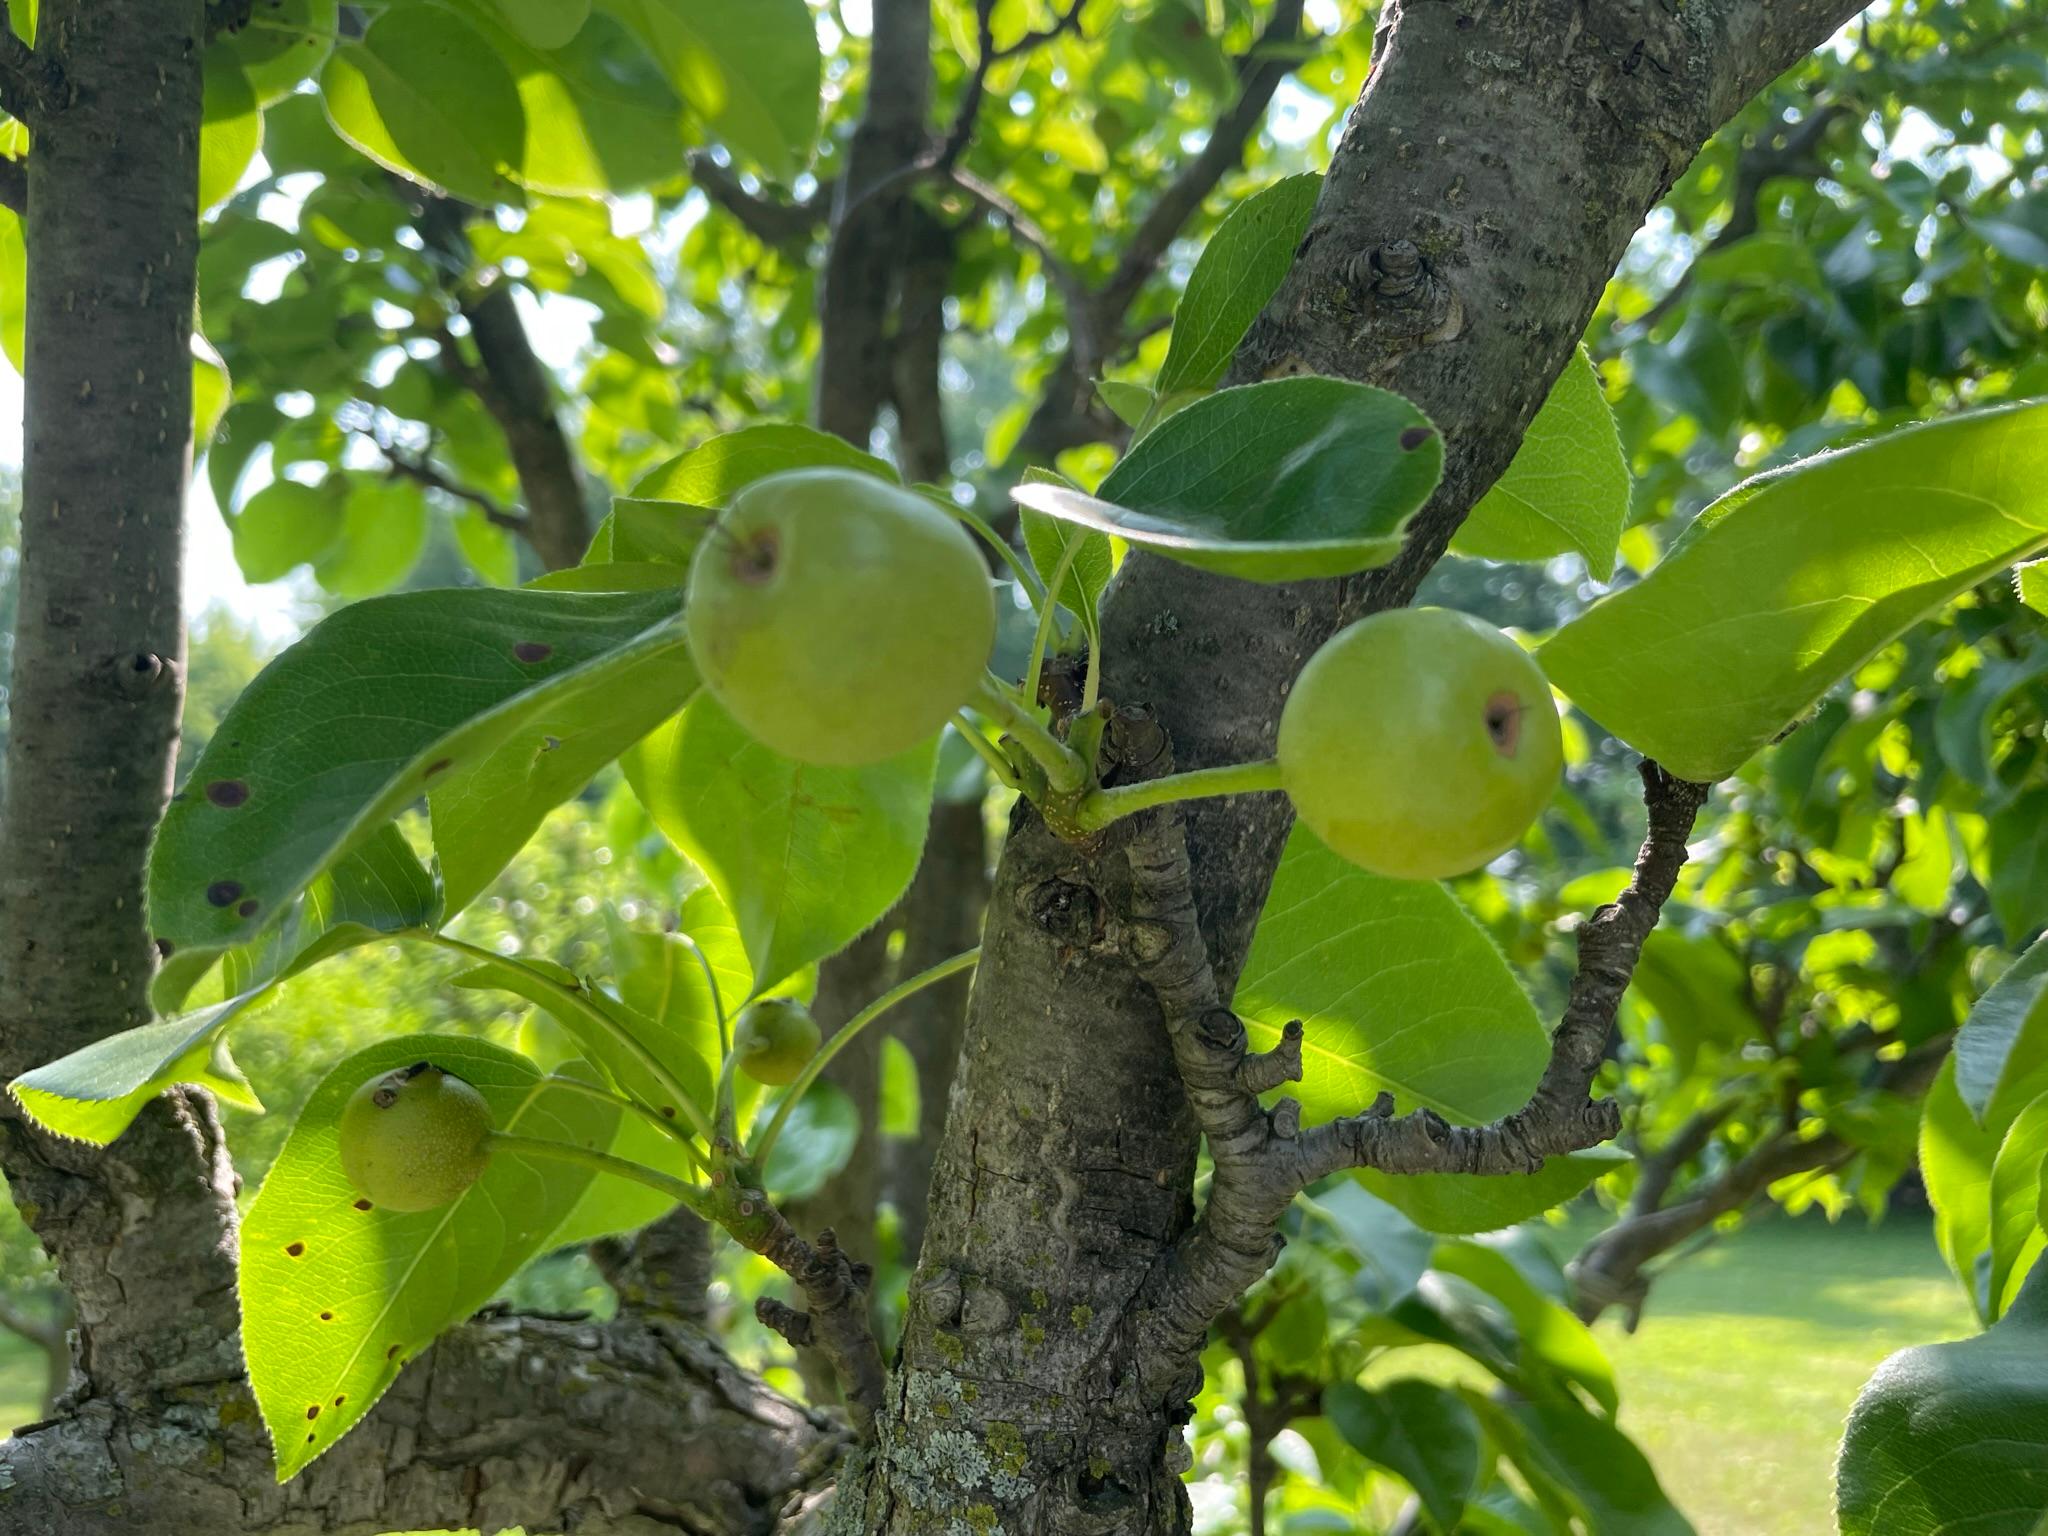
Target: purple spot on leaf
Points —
{"points": [[228, 793], [532, 650], [1414, 437], [224, 893]]}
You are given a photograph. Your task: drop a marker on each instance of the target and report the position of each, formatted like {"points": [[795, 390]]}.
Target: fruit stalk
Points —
{"points": [[845, 1036], [596, 1017], [1064, 770], [1100, 807], [680, 1190]]}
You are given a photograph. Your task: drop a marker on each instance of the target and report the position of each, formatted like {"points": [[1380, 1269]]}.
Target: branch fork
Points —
{"points": [[1263, 1157]]}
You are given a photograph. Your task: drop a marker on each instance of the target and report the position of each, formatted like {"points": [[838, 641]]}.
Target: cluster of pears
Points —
{"points": [[841, 620]]}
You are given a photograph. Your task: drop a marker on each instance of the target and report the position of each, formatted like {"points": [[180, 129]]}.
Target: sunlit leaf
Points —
{"points": [[1793, 579]]}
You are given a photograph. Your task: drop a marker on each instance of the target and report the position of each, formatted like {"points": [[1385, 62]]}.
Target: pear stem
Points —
{"points": [[605, 1095], [1099, 807], [999, 766], [680, 1190], [1064, 770], [844, 1037], [596, 1017]]}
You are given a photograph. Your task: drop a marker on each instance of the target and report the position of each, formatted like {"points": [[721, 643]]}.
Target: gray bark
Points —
{"points": [[1488, 182]]}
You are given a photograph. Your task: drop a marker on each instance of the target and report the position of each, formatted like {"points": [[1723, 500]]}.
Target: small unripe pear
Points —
{"points": [[838, 618], [1420, 743], [774, 1038], [415, 1139]]}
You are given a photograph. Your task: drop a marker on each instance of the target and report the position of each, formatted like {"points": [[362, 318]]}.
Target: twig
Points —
{"points": [[835, 1291], [768, 219], [402, 465]]}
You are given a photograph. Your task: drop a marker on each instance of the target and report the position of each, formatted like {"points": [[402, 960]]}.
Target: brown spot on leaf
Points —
{"points": [[165, 948], [530, 651], [248, 908], [1414, 437], [362, 1205], [326, 1317], [228, 793], [295, 1249], [341, 1399], [392, 1352], [312, 1410], [224, 893], [439, 765]]}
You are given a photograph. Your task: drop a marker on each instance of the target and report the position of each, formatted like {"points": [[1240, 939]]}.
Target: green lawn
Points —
{"points": [[1751, 1352], [1736, 1383]]}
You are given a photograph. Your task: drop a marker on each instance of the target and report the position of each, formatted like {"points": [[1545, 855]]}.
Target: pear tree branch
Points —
{"points": [[1264, 1157]]}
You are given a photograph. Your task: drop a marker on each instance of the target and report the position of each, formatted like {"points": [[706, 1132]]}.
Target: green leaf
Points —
{"points": [[383, 532], [544, 23], [1568, 488], [487, 547], [1796, 577], [230, 131], [1457, 1203], [1046, 540], [652, 532], [1272, 482], [211, 388], [1580, 1466], [286, 525], [1955, 1162], [1238, 271], [1401, 990], [600, 115], [421, 93], [2015, 1204], [1398, 987], [2018, 855], [376, 705], [335, 1299], [1552, 1339], [1951, 1438], [484, 817], [2030, 580], [13, 286], [611, 1206], [1392, 1251], [284, 42], [94, 1094], [749, 68], [1421, 1432], [711, 473], [816, 1142], [807, 857], [901, 1097], [1132, 403], [2001, 1052]]}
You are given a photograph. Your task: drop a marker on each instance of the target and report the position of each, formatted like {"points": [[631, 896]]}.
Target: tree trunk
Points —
{"points": [[1490, 178]]}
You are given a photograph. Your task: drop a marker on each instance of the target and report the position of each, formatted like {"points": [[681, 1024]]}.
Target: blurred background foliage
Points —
{"points": [[1866, 244]]}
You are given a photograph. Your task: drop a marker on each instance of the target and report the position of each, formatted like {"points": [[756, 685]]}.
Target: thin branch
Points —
{"points": [[1610, 1271], [987, 56], [1074, 293], [402, 465], [1789, 150], [1068, 414], [835, 1290], [1259, 71], [770, 220], [1263, 1158]]}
